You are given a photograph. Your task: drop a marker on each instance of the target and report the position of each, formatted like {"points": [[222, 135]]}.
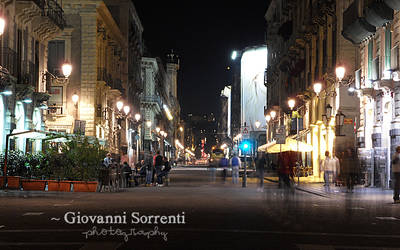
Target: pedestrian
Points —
{"points": [[126, 173], [329, 166], [139, 165], [158, 165], [236, 164], [108, 160], [164, 172], [148, 162], [286, 163], [261, 162], [224, 164], [396, 174], [350, 167]]}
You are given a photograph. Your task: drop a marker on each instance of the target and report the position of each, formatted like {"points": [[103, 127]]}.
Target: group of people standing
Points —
{"points": [[226, 164], [155, 168], [342, 168], [152, 169]]}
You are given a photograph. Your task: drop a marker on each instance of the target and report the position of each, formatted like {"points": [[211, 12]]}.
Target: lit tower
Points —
{"points": [[172, 72], [172, 62]]}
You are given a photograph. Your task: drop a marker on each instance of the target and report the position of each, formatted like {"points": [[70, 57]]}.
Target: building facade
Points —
{"points": [[103, 42], [29, 26], [305, 48], [160, 105], [374, 28]]}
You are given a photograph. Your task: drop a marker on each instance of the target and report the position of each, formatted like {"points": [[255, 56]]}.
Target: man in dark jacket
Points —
{"points": [[350, 167], [158, 165], [126, 171], [261, 163]]}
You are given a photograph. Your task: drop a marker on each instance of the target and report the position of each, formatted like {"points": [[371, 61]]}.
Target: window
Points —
{"points": [[388, 47], [370, 55], [56, 57]]}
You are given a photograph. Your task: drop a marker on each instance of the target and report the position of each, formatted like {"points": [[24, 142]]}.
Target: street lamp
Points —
{"points": [[339, 120], [273, 114], [126, 110], [327, 116], [66, 69], [148, 124], [120, 104], [317, 88], [137, 117], [2, 25], [158, 130], [257, 124], [234, 55], [291, 103], [340, 71]]}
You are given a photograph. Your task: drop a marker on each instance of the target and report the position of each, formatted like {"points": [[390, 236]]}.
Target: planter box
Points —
{"points": [[33, 185], [84, 186], [62, 186], [13, 182]]}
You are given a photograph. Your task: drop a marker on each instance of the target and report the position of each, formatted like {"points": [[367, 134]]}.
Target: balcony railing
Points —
{"points": [[54, 12], [151, 99], [55, 110], [8, 60], [39, 3]]}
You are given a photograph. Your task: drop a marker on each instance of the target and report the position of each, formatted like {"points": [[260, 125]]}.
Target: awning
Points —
{"points": [[378, 13], [394, 4], [290, 145]]}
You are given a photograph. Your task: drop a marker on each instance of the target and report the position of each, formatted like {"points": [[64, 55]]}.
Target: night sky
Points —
{"points": [[203, 34]]}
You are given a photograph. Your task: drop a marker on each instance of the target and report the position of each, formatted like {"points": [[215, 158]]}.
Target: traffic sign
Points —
{"points": [[245, 132], [281, 135]]}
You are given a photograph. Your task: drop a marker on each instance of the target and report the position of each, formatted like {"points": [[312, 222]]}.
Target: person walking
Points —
{"points": [[396, 174], [148, 162], [350, 166], [224, 164], [164, 172], [158, 165], [260, 165], [236, 164], [126, 173], [329, 166]]}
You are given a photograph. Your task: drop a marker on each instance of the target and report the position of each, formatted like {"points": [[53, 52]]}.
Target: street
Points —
{"points": [[216, 216]]}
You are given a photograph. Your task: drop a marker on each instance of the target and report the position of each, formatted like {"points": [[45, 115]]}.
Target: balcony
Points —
{"points": [[355, 28], [54, 12], [152, 100], [393, 4], [8, 60], [46, 16], [103, 75], [55, 110], [378, 13]]}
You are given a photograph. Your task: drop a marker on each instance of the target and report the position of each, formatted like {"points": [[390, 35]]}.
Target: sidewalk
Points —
{"points": [[319, 189]]}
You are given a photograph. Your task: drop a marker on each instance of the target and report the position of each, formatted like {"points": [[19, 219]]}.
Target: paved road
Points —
{"points": [[216, 216]]}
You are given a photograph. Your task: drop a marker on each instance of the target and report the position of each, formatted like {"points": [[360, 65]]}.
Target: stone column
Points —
{"points": [[88, 70]]}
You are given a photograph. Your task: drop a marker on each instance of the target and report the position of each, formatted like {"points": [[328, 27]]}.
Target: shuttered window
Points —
{"points": [[56, 57]]}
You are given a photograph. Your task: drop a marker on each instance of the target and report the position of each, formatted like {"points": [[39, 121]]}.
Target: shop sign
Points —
{"points": [[348, 121]]}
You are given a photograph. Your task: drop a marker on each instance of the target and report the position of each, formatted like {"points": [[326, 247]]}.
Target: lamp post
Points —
{"points": [[267, 119], [339, 120], [137, 119], [292, 103]]}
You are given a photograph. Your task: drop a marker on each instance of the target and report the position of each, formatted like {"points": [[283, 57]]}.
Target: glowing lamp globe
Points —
{"points": [[66, 69]]}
